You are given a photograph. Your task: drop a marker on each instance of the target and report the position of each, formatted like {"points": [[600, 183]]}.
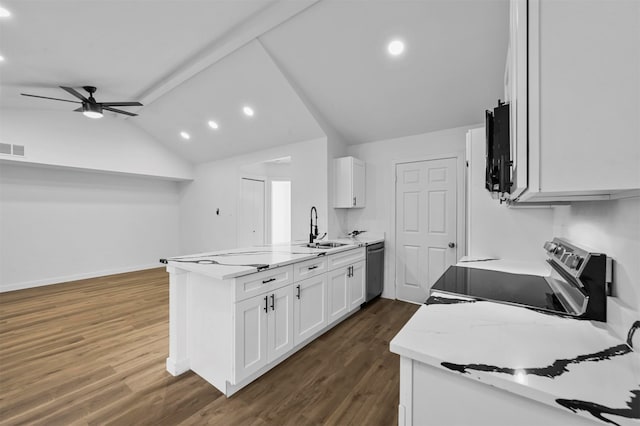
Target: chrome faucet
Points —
{"points": [[313, 230]]}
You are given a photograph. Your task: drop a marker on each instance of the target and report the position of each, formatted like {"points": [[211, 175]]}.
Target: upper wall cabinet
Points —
{"points": [[349, 183], [573, 81]]}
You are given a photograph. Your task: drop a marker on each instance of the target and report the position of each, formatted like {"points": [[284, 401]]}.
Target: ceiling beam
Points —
{"points": [[253, 27]]}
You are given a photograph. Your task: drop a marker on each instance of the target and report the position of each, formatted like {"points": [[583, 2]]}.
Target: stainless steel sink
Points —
{"points": [[326, 245]]}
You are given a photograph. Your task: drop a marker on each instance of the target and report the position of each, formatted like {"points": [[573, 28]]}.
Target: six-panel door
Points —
{"points": [[309, 307]]}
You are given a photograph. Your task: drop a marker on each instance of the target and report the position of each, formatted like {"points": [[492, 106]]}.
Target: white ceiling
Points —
{"points": [[451, 71], [245, 77], [189, 62]]}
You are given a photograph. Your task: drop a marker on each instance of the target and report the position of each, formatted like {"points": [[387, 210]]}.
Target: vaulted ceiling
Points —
{"points": [[192, 61]]}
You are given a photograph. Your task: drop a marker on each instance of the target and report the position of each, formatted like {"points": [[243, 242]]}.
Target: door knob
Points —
{"points": [[452, 245]]}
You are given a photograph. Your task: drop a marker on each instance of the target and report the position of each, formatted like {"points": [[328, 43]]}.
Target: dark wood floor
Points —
{"points": [[93, 352]]}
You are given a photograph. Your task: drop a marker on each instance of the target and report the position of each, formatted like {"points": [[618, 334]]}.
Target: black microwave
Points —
{"points": [[498, 156]]}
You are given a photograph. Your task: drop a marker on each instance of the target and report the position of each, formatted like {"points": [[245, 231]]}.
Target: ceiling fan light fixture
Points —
{"points": [[92, 110]]}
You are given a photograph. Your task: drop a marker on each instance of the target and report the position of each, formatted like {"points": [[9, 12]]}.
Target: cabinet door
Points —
{"points": [[338, 302], [250, 336], [358, 180], [309, 307], [280, 322], [357, 285]]}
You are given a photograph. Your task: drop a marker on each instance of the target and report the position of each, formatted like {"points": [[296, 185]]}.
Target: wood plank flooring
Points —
{"points": [[93, 352]]}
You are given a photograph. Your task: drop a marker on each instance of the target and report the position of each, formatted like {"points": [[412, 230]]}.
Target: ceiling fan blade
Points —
{"points": [[46, 97], [78, 110], [119, 111], [74, 92], [110, 104]]}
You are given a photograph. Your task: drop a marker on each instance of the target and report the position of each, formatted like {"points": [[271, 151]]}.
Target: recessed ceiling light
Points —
{"points": [[213, 124], [4, 13], [395, 47], [185, 135], [1, 58], [248, 111]]}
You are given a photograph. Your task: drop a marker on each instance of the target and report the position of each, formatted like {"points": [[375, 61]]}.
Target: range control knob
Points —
{"points": [[574, 261]]}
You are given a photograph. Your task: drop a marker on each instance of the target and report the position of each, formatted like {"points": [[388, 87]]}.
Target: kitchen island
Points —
{"points": [[235, 314], [470, 361]]}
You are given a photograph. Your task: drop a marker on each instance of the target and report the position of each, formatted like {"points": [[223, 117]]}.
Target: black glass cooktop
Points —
{"points": [[528, 290]]}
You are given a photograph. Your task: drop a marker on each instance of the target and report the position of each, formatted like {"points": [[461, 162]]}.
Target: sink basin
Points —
{"points": [[325, 245]]}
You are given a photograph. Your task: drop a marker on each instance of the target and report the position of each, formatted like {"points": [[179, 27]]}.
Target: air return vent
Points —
{"points": [[5, 148], [18, 150]]}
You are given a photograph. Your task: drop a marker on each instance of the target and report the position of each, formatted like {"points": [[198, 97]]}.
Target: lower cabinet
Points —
{"points": [[263, 330], [309, 307], [338, 297], [357, 285], [347, 289]]}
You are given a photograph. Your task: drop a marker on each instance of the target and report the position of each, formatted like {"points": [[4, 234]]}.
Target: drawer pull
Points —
{"points": [[312, 267], [268, 281]]}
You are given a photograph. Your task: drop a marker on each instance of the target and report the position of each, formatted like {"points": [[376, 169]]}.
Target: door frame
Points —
{"points": [[266, 194], [461, 188]]}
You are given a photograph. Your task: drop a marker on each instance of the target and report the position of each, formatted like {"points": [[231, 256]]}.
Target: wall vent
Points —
{"points": [[5, 148], [18, 150]]}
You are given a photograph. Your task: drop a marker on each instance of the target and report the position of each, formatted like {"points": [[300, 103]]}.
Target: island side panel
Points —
{"points": [[210, 328], [178, 360]]}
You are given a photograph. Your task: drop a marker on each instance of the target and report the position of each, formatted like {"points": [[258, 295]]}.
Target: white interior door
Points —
{"points": [[251, 217], [426, 218]]}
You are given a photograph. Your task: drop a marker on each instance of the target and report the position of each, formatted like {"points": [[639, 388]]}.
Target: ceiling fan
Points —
{"points": [[90, 107]]}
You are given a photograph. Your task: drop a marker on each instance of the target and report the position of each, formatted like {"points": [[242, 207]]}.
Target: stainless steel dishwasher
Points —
{"points": [[375, 270]]}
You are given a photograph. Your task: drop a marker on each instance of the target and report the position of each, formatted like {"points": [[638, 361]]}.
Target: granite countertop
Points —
{"points": [[571, 364]]}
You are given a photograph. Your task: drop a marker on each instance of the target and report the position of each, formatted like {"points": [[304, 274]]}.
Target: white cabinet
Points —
{"points": [[280, 323], [230, 331], [349, 183], [582, 93], [338, 300], [309, 307], [263, 330], [347, 282], [250, 336], [356, 283]]}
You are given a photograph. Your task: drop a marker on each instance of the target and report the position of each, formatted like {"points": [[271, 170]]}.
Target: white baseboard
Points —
{"points": [[58, 280]]}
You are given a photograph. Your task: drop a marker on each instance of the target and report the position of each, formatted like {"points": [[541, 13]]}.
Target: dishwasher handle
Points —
{"points": [[375, 251]]}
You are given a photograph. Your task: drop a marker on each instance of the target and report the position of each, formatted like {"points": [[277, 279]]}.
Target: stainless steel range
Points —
{"points": [[578, 285]]}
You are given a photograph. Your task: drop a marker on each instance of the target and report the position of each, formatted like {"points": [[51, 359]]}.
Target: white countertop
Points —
{"points": [[242, 261], [567, 363]]}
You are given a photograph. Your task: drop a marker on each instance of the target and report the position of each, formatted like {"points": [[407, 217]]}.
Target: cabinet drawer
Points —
{"points": [[345, 258], [260, 282], [309, 268]]}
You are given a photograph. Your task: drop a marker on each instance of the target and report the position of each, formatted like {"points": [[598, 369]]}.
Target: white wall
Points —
{"points": [[495, 230], [61, 225], [67, 138], [380, 157], [611, 227], [216, 186]]}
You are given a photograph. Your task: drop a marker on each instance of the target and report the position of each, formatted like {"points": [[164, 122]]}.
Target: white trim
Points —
{"points": [[75, 277], [461, 187]]}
